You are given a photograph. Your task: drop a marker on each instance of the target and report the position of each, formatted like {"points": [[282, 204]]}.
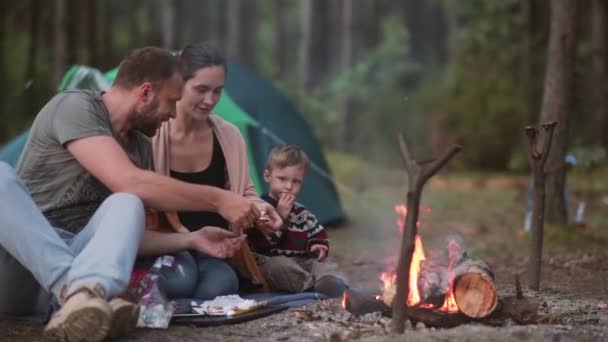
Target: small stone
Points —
{"points": [[420, 325]]}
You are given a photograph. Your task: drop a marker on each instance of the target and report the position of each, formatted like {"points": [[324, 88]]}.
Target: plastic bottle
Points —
{"points": [[156, 310]]}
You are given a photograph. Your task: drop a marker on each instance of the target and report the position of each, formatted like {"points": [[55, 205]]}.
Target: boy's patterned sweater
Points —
{"points": [[299, 232]]}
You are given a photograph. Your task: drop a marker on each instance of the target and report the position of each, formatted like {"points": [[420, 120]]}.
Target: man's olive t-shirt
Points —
{"points": [[68, 194]]}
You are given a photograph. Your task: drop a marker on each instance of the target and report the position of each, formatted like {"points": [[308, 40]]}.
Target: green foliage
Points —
{"points": [[485, 90], [374, 82]]}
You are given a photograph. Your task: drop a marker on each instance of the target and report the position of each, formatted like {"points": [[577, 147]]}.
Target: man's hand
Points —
{"points": [[270, 221], [240, 212], [320, 251], [285, 204], [216, 242]]}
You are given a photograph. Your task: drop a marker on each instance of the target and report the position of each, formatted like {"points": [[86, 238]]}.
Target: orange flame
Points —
{"points": [[389, 279], [344, 300], [449, 304], [413, 297]]}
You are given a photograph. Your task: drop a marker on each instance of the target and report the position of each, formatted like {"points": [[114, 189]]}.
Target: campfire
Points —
{"points": [[443, 292], [433, 283], [437, 291]]}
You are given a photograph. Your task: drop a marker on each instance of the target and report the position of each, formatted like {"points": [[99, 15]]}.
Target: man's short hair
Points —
{"points": [[148, 64], [283, 156]]}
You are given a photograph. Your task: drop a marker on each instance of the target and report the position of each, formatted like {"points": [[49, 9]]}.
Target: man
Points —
{"points": [[83, 147]]}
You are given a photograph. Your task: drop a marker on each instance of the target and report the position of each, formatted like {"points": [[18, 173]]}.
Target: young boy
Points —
{"points": [[292, 258]]}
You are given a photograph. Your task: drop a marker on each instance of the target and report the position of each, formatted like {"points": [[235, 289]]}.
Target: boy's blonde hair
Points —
{"points": [[282, 156]]}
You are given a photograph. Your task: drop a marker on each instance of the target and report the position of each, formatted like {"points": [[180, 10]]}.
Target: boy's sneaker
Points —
{"points": [[84, 316], [124, 317]]}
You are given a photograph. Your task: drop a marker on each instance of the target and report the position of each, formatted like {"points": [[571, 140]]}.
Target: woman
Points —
{"points": [[199, 147]]}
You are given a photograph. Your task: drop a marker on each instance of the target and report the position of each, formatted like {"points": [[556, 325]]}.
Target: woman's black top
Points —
{"points": [[213, 175]]}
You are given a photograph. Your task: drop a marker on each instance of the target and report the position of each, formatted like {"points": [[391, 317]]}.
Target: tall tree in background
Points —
{"points": [[599, 60], [60, 40], [90, 38], [558, 100], [315, 50], [242, 33], [346, 60], [427, 26], [305, 48], [32, 55], [106, 48], [168, 16], [3, 16], [279, 12]]}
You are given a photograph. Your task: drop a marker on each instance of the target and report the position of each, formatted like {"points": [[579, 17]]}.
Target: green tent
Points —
{"points": [[264, 116]]}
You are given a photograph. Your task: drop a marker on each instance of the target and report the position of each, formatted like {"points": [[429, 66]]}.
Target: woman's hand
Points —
{"points": [[216, 242]]}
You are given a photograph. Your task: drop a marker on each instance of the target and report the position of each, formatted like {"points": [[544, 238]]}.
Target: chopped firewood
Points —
{"points": [[436, 318], [474, 290], [432, 282]]}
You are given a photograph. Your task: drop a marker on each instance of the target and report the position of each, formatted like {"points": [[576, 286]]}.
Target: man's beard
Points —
{"points": [[145, 120]]}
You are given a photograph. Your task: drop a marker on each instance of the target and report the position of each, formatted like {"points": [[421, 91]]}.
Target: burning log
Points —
{"points": [[471, 282], [520, 309], [359, 303], [432, 282], [473, 286]]}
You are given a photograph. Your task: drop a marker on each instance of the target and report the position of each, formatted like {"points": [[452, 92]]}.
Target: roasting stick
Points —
{"points": [[418, 173]]}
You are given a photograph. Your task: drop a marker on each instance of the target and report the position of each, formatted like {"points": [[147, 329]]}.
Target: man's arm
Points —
{"points": [[103, 157]]}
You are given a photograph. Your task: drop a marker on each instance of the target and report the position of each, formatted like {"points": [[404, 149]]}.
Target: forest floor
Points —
{"points": [[487, 212]]}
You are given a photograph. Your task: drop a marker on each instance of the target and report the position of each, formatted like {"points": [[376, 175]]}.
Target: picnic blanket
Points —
{"points": [[276, 302]]}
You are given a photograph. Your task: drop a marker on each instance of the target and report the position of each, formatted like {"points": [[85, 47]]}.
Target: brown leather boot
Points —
{"points": [[124, 317], [84, 316]]}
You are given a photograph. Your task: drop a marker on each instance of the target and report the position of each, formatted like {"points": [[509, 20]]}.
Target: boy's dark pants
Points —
{"points": [[293, 274]]}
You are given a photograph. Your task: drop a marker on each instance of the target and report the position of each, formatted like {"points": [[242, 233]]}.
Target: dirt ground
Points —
{"points": [[574, 284]]}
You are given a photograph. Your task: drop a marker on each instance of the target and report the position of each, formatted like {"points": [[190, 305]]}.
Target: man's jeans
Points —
{"points": [[34, 255]]}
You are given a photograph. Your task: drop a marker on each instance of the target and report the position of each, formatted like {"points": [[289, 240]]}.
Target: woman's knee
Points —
{"points": [[216, 278], [179, 281]]}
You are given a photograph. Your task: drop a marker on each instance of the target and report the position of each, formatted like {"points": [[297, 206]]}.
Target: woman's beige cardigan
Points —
{"points": [[237, 170]]}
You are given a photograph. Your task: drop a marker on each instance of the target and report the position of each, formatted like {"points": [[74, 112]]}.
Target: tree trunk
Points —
{"points": [[281, 39], [599, 59], [60, 47], [3, 47], [305, 48], [558, 102], [71, 53], [168, 23], [105, 60], [242, 36], [200, 16], [346, 60], [32, 55], [83, 32]]}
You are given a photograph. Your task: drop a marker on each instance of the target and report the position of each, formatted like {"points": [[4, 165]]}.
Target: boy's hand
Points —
{"points": [[285, 204], [320, 251], [216, 242], [270, 221]]}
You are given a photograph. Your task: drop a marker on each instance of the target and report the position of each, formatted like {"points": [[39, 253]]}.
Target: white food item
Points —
{"points": [[224, 305]]}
